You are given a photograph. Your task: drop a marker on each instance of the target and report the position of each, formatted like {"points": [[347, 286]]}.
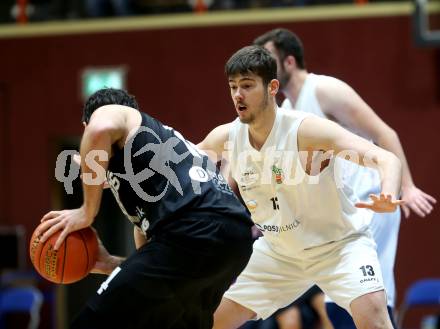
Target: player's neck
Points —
{"points": [[294, 86], [260, 129]]}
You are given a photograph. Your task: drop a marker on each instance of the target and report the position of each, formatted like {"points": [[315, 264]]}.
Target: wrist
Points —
{"points": [[113, 262], [89, 213], [407, 186]]}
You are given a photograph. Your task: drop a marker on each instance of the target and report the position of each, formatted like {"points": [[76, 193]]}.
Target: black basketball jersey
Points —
{"points": [[159, 178]]}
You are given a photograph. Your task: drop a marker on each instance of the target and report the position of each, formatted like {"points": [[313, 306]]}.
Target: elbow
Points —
{"points": [[389, 135], [97, 132]]}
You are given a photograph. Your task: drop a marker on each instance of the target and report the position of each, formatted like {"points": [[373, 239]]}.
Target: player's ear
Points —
{"points": [[289, 62], [273, 87], [84, 124]]}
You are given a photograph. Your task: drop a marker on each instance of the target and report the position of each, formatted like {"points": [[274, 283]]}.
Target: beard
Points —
{"points": [[260, 109], [283, 78]]}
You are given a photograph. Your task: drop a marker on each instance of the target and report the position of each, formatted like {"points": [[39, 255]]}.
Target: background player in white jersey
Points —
{"points": [[331, 98], [313, 231]]}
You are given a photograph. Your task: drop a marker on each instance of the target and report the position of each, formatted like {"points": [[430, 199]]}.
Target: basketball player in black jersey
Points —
{"points": [[193, 236]]}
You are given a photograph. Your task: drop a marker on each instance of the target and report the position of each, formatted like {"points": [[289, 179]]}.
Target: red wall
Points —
{"points": [[177, 75]]}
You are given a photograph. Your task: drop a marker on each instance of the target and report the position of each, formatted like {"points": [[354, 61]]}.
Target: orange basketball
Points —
{"points": [[71, 262]]}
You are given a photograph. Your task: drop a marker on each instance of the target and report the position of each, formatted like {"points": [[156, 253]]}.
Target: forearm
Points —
{"points": [[139, 238], [95, 151], [390, 169], [391, 142], [114, 261]]}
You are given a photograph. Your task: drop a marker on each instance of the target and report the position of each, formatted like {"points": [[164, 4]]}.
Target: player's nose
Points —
{"points": [[238, 95]]}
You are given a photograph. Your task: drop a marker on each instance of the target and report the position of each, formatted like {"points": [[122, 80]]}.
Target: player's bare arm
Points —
{"points": [[106, 263], [215, 142], [107, 126], [339, 101], [214, 145], [321, 134], [139, 237]]}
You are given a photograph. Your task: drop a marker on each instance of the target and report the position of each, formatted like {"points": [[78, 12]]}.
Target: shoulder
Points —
{"points": [[222, 132], [327, 85], [286, 104], [315, 133], [333, 94], [215, 141], [115, 121], [113, 115], [291, 115]]}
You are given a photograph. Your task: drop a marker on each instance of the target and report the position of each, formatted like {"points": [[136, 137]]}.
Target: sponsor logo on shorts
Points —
{"points": [[369, 280]]}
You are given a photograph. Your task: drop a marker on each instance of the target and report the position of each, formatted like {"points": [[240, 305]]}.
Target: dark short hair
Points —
{"points": [[107, 96], [286, 42], [252, 59]]}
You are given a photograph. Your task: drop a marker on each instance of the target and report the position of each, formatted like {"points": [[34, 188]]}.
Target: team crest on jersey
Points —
{"points": [[278, 173]]}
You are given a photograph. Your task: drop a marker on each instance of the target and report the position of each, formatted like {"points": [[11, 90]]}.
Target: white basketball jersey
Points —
{"points": [[363, 181], [295, 211]]}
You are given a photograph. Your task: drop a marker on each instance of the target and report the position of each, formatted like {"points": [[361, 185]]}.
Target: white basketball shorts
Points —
{"points": [[344, 270]]}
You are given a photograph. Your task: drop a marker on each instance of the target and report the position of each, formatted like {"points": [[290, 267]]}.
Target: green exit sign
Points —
{"points": [[94, 79]]}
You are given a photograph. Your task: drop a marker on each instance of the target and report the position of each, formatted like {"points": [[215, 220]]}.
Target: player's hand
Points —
{"points": [[77, 159], [416, 200], [65, 221], [105, 263], [381, 203]]}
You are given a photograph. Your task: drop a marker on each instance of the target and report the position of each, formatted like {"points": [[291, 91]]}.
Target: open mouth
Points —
{"points": [[241, 108]]}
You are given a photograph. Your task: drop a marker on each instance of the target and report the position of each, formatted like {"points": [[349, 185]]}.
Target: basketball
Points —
{"points": [[71, 262]]}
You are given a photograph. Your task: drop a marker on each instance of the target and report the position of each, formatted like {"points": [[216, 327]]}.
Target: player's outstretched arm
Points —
{"points": [[320, 134], [340, 101], [106, 127]]}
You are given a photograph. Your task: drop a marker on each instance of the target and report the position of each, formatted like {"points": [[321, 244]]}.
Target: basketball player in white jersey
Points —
{"points": [[314, 230], [331, 98]]}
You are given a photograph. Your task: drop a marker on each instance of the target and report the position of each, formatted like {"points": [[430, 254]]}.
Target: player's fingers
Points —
{"points": [[425, 206], [414, 207], [374, 197], [363, 205], [383, 197], [51, 230], [43, 227], [405, 210], [61, 238], [50, 215], [429, 197], [426, 202]]}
